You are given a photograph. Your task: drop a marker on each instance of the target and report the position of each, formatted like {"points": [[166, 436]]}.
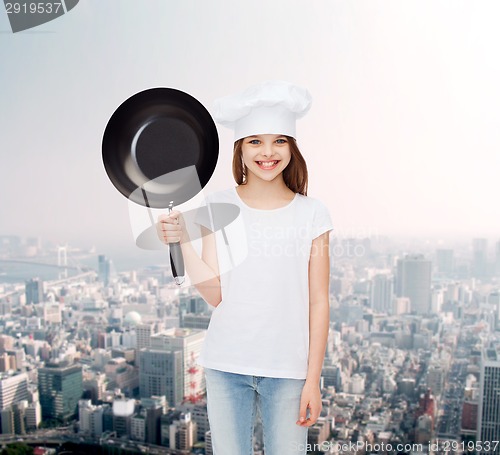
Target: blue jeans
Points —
{"points": [[232, 401]]}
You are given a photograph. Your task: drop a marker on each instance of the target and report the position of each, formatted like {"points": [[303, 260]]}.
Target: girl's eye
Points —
{"points": [[254, 141], [281, 141]]}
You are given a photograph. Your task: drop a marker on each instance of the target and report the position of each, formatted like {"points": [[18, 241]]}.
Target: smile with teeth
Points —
{"points": [[267, 164]]}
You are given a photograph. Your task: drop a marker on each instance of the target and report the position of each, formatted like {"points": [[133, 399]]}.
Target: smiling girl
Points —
{"points": [[265, 345]]}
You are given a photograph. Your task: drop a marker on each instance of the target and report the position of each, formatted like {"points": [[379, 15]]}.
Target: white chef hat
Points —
{"points": [[270, 107]]}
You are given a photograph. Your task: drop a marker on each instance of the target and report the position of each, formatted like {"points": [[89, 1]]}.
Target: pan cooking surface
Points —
{"points": [[165, 145], [156, 132]]}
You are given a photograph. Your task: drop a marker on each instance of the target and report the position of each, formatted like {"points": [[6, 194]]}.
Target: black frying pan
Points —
{"points": [[154, 133]]}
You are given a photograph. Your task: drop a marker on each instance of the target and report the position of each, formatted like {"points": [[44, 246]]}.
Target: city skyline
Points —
{"points": [[131, 257], [120, 350]]}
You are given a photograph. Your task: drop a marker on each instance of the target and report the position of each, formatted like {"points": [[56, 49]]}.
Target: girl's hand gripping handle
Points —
{"points": [[172, 232]]}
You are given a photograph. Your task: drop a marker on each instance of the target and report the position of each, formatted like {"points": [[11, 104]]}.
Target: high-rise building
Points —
{"points": [[479, 258], [469, 415], [123, 410], [60, 386], [494, 299], [435, 378], [189, 342], [161, 373], [145, 331], [192, 304], [34, 291], [13, 388], [95, 384], [194, 321], [183, 431], [14, 418], [7, 419], [414, 281], [20, 416], [193, 312], [52, 313], [138, 426], [33, 415], [497, 259], [209, 450], [104, 270], [6, 343], [122, 375], [356, 384], [17, 358], [107, 417], [199, 414], [90, 418], [445, 262], [381, 293], [154, 407], [488, 427], [4, 362], [332, 377]]}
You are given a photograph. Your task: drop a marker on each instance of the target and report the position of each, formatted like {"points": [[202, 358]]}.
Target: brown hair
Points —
{"points": [[294, 175]]}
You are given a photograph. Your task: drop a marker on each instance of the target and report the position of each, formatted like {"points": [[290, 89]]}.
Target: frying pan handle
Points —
{"points": [[177, 262], [176, 258]]}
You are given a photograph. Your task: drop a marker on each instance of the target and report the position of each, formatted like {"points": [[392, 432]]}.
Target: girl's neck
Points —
{"points": [[261, 189]]}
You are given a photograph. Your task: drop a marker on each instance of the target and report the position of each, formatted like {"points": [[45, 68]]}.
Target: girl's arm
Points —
{"points": [[319, 306], [319, 324], [203, 272]]}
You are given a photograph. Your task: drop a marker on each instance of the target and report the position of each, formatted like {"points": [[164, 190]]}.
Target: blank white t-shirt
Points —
{"points": [[261, 326]]}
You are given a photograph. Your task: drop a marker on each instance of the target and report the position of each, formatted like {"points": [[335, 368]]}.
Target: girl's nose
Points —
{"points": [[268, 150]]}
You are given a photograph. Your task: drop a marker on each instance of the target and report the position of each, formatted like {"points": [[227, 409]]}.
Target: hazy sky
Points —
{"points": [[403, 136]]}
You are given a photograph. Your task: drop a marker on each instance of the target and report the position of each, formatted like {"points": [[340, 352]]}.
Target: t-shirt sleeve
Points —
{"points": [[203, 215], [322, 221]]}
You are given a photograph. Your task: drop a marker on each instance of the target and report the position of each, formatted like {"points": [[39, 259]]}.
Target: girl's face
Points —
{"points": [[266, 155]]}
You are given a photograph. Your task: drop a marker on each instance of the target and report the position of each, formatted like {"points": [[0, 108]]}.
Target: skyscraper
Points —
{"points": [[145, 331], [189, 343], [155, 407], [13, 389], [381, 293], [104, 269], [34, 291], [60, 386], [479, 258], [488, 427], [494, 299], [414, 281], [497, 259], [90, 418], [161, 373], [445, 262]]}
